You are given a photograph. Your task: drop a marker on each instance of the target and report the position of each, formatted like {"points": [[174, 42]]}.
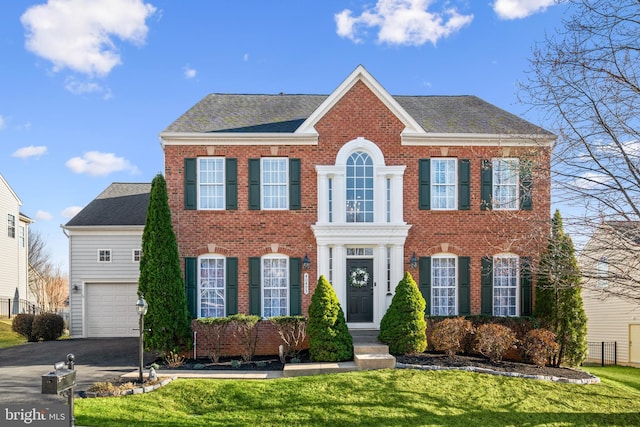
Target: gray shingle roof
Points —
{"points": [[119, 204], [285, 113], [628, 229]]}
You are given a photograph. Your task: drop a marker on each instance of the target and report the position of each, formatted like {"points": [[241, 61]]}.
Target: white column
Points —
{"points": [[323, 198]]}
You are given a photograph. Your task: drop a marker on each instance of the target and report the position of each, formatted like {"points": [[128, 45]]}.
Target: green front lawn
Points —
{"points": [[377, 398], [8, 338]]}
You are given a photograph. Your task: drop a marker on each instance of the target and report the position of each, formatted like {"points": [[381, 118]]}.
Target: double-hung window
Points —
{"points": [[443, 184], [275, 179], [505, 184], [505, 285], [275, 286], [211, 183], [11, 226], [602, 272], [211, 280], [443, 286]]}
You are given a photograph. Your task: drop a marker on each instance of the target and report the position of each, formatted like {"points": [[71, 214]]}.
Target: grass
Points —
{"points": [[377, 398], [8, 338]]}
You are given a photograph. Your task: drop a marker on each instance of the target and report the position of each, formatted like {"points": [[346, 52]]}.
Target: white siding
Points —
{"points": [[84, 267], [12, 257]]}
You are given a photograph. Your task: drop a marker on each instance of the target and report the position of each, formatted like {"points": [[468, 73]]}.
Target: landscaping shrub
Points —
{"points": [[245, 329], [292, 330], [216, 326], [329, 337], [48, 326], [493, 341], [450, 334], [540, 345], [403, 327], [23, 324]]}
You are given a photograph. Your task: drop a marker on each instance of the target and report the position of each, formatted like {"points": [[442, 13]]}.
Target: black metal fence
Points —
{"points": [[9, 307], [602, 353]]}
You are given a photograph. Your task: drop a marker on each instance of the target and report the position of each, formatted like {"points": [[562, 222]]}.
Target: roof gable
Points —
{"points": [[360, 74], [10, 190]]}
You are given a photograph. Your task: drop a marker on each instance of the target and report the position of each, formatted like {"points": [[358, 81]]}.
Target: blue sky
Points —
{"points": [[86, 86]]}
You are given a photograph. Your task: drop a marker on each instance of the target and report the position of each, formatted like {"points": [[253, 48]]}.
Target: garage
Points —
{"points": [[111, 310]]}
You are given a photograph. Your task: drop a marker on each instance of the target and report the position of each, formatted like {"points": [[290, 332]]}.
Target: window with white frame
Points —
{"points": [[211, 183], [359, 195], [443, 285], [505, 184], [104, 255], [274, 182], [211, 281], [136, 254], [443, 183], [21, 236], [506, 272], [602, 272], [11, 226], [275, 286]]}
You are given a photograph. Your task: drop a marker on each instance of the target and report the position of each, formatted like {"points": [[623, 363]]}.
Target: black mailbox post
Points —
{"points": [[60, 381]]}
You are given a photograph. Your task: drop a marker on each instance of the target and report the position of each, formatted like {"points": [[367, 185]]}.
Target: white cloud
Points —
{"points": [[71, 211], [44, 216], [189, 72], [95, 163], [80, 34], [518, 9], [245, 57], [402, 22], [78, 87], [2, 122], [30, 151], [591, 180]]}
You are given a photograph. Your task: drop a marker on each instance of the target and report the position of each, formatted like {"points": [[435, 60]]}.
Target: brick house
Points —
{"points": [[268, 192]]}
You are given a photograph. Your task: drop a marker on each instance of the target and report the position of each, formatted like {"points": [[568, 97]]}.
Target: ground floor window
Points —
{"points": [[275, 286], [443, 288], [505, 285], [212, 287]]}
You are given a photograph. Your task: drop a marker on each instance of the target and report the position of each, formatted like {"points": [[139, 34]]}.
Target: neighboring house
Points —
{"points": [[268, 192], [105, 245], [610, 265], [14, 254]]}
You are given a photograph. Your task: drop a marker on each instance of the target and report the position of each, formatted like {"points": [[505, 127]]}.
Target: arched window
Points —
{"points": [[359, 186]]}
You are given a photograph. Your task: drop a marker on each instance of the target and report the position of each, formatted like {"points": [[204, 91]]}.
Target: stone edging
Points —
{"points": [[139, 390], [592, 380]]}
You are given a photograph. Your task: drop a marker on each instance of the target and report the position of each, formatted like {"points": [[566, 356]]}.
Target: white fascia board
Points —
{"points": [[235, 138], [477, 139], [359, 74], [94, 230], [13, 193]]}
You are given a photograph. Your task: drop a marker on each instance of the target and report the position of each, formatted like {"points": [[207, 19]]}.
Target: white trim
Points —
{"points": [[235, 139], [478, 140], [287, 287], [222, 184], [224, 281], [455, 184], [456, 286], [133, 255], [106, 251], [517, 286]]}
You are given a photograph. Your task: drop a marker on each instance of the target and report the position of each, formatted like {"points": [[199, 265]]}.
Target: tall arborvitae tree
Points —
{"points": [[558, 296], [161, 283]]}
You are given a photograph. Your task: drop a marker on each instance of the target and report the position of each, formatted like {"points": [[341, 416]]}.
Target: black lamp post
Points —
{"points": [[141, 308]]}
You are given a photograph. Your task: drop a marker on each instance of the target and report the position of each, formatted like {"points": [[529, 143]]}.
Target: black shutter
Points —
{"points": [[295, 291], [190, 184], [464, 185], [232, 286], [191, 285], [254, 286], [526, 184], [526, 281], [254, 184], [464, 286], [486, 182], [231, 184], [486, 291], [295, 202], [424, 185], [424, 264]]}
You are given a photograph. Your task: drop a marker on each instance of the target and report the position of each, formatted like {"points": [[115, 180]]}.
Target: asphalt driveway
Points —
{"points": [[22, 367]]}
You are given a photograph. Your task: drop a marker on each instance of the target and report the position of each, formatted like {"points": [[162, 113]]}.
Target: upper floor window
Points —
{"points": [[506, 277], [505, 184], [359, 186], [443, 183], [443, 285], [136, 255], [275, 286], [104, 255], [211, 286], [11, 226], [21, 236], [211, 183], [275, 178], [602, 272]]}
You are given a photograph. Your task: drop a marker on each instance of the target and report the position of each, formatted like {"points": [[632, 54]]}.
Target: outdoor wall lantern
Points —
{"points": [[414, 261], [305, 262], [141, 308], [76, 288]]}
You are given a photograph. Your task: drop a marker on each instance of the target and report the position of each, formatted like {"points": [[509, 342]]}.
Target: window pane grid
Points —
{"points": [[443, 183], [211, 183], [275, 287], [505, 286], [274, 184], [212, 287], [505, 183], [359, 188], [443, 286]]}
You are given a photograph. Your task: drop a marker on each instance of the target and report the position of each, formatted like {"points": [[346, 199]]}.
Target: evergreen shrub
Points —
{"points": [[23, 324], [48, 326]]}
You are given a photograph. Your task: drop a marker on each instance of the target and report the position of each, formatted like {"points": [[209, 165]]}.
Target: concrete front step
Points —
{"points": [[305, 369], [375, 361], [371, 348]]}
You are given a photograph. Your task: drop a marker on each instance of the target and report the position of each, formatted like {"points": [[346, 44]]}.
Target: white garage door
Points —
{"points": [[111, 310]]}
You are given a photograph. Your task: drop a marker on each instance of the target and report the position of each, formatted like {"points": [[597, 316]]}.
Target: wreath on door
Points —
{"points": [[359, 278]]}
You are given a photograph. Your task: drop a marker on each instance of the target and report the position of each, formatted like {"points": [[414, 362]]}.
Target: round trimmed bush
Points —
{"points": [[23, 324], [48, 326]]}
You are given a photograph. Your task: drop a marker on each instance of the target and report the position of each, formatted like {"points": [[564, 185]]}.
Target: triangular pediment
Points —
{"points": [[360, 74]]}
